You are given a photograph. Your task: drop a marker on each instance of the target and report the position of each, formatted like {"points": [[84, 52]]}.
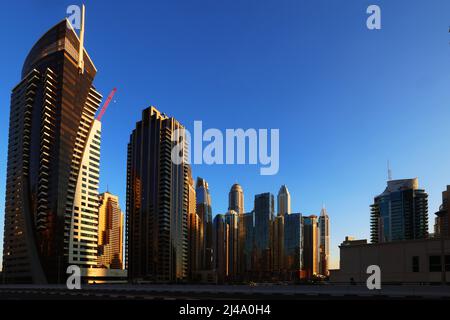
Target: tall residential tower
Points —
{"points": [[51, 203], [157, 201]]}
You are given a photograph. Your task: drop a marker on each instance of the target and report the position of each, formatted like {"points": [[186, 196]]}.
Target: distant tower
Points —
{"points": [[236, 199], [324, 245], [110, 232], [204, 212], [284, 201]]}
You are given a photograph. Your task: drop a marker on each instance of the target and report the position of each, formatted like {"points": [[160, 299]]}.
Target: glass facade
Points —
{"points": [[47, 223]]}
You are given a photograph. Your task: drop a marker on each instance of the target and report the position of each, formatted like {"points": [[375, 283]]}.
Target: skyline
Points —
{"points": [[310, 186]]}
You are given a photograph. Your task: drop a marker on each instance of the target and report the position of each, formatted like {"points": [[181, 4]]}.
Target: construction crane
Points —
{"points": [[105, 105]]}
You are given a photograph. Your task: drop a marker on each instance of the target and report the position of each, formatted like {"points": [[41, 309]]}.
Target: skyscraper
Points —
{"points": [[293, 245], [311, 236], [232, 260], [264, 216], [324, 244], [442, 226], [400, 212], [157, 200], [110, 232], [220, 245], [284, 201], [278, 244], [194, 231], [246, 242], [204, 212], [236, 199], [51, 203]]}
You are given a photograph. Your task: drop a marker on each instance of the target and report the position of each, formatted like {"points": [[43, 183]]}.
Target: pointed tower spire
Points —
{"points": [[81, 49]]}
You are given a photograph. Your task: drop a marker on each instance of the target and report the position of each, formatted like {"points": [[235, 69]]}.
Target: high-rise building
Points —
{"points": [[284, 201], [236, 199], [311, 236], [157, 200], [400, 212], [194, 231], [246, 242], [293, 245], [204, 212], [232, 260], [264, 216], [51, 203], [220, 245], [324, 244], [442, 226], [278, 244], [110, 232]]}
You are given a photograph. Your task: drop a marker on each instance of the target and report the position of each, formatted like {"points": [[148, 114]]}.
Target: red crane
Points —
{"points": [[105, 105]]}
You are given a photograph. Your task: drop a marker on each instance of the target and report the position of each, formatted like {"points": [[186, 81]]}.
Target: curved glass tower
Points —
{"points": [[53, 162]]}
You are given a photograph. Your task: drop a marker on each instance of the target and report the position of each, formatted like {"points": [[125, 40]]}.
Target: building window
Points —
{"points": [[415, 264], [435, 264]]}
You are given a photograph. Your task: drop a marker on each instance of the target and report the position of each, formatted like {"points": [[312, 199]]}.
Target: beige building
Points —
{"points": [[110, 232], [410, 261]]}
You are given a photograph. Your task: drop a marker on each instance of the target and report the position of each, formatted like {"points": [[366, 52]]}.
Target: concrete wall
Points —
{"points": [[394, 259]]}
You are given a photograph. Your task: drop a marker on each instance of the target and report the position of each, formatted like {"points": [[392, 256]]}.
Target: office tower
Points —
{"points": [[400, 212], [194, 230], [51, 203], [324, 245], [246, 243], [236, 199], [220, 245], [264, 216], [311, 234], [232, 260], [204, 212], [442, 226], [110, 232], [284, 201], [278, 245], [293, 245], [157, 200]]}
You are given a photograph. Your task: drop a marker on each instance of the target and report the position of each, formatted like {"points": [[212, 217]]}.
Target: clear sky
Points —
{"points": [[345, 99]]}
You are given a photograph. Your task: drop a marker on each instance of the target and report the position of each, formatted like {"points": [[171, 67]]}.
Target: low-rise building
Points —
{"points": [[410, 261]]}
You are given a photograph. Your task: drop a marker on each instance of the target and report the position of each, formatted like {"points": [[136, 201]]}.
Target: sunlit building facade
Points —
{"points": [[324, 243], [157, 200], [311, 236], [110, 232], [283, 201], [51, 203], [236, 199]]}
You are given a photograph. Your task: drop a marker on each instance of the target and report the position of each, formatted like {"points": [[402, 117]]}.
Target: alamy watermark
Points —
{"points": [[235, 146]]}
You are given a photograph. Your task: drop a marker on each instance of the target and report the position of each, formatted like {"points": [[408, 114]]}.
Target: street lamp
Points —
{"points": [[440, 214]]}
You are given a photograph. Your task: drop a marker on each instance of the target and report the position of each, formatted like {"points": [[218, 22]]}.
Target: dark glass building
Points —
{"points": [[204, 212], [400, 212], [264, 216], [52, 132], [220, 243], [157, 201], [293, 245]]}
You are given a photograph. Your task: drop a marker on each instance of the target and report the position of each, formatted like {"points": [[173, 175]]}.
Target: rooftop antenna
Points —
{"points": [[389, 171], [81, 49]]}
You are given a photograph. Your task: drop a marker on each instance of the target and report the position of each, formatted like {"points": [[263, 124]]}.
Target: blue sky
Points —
{"points": [[345, 99]]}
